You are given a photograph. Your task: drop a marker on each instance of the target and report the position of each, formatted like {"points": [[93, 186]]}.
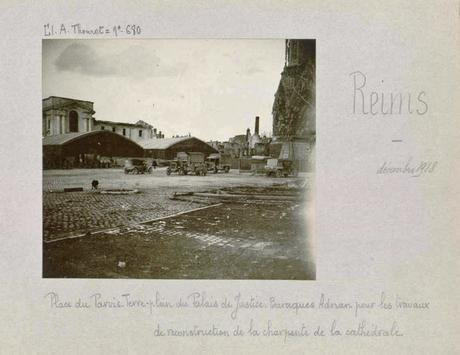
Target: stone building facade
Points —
{"points": [[64, 115], [294, 114], [294, 105], [137, 132]]}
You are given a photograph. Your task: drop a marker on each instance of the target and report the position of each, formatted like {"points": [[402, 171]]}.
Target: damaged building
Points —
{"points": [[294, 117]]}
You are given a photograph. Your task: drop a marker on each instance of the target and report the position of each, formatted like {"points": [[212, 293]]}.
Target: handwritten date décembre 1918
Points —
{"points": [[77, 29]]}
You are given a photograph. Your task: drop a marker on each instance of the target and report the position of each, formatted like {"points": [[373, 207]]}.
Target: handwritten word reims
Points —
{"points": [[375, 101]]}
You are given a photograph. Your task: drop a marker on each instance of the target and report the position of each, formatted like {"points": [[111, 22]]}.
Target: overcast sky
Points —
{"points": [[210, 88]]}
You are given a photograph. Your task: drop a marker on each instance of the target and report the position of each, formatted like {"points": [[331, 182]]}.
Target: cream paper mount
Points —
{"points": [[385, 211]]}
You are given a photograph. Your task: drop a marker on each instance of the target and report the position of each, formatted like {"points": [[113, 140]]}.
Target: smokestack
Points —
{"points": [[256, 130], [248, 133], [155, 132], [159, 134]]}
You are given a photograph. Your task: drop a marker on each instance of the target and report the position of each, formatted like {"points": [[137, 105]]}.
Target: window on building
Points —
{"points": [[140, 133], [124, 131], [113, 129], [102, 128], [73, 121]]}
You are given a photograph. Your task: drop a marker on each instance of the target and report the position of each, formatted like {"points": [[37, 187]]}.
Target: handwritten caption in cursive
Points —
{"points": [[377, 317], [77, 29], [408, 168]]}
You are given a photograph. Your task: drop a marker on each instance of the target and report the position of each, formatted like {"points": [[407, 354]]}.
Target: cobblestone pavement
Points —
{"points": [[80, 212], [227, 241], [237, 238], [71, 213]]}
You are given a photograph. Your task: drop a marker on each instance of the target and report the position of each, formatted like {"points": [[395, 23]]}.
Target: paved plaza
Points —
{"points": [[150, 235], [74, 213]]}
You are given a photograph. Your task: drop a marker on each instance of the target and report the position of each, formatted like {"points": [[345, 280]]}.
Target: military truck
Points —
{"points": [[280, 168], [137, 166], [188, 163], [216, 162]]}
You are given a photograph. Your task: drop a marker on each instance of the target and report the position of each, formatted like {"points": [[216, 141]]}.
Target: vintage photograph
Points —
{"points": [[179, 159]]}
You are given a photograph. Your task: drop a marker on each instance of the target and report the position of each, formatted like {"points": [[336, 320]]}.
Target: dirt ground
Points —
{"points": [[244, 237]]}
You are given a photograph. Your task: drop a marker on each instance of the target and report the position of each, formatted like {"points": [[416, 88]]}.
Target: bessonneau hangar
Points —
{"points": [[72, 137]]}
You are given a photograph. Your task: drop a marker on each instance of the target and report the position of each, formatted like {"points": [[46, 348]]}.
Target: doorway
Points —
{"points": [[73, 121]]}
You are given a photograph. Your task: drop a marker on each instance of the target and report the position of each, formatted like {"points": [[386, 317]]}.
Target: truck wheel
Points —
{"points": [[168, 171], [216, 170]]}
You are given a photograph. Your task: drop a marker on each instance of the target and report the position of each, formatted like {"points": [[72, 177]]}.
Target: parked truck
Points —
{"points": [[137, 166], [218, 162], [188, 163], [280, 168]]}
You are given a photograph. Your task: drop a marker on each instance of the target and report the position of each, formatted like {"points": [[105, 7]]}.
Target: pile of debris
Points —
{"points": [[244, 194]]}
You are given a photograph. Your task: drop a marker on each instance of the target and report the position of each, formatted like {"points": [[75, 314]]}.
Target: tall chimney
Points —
{"points": [[248, 133], [159, 134], [256, 129], [155, 132]]}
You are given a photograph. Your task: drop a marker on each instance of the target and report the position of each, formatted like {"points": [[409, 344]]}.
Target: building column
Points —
{"points": [[52, 125], [66, 122]]}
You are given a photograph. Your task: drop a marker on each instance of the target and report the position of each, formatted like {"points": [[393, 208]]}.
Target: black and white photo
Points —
{"points": [[179, 158]]}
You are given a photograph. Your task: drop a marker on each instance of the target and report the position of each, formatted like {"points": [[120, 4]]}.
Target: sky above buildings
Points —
{"points": [[212, 89]]}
